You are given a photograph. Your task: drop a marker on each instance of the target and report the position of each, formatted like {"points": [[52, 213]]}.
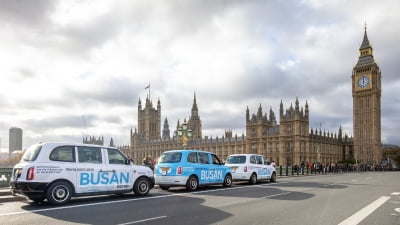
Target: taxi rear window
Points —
{"points": [[32, 153], [170, 157], [241, 159]]}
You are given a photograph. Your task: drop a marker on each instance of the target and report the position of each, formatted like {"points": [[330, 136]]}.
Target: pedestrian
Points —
{"points": [[149, 162], [273, 163]]}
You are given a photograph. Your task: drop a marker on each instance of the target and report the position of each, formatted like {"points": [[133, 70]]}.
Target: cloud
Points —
{"points": [[65, 59], [28, 14]]}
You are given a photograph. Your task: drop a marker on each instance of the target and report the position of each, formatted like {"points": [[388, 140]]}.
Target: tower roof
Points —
{"points": [[194, 107], [365, 43], [366, 57]]}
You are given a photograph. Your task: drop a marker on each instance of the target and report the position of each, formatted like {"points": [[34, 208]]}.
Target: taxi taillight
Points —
{"points": [[179, 170], [245, 169], [31, 173]]}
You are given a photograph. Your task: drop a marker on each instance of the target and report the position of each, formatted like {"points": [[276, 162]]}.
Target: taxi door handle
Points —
{"points": [[107, 171]]}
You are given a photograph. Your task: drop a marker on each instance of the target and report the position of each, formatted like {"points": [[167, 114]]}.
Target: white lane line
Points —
{"points": [[397, 210], [131, 200], [364, 212], [269, 196], [144, 220], [354, 180], [395, 193]]}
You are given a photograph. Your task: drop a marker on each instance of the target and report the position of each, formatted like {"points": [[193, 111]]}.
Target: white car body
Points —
{"points": [[58, 171], [250, 167]]}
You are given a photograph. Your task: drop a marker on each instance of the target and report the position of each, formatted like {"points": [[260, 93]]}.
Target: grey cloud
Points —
{"points": [[82, 38], [25, 73], [71, 121], [113, 91], [26, 13]]}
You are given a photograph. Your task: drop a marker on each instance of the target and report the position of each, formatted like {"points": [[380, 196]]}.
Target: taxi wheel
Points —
{"points": [[142, 186], [273, 177], [192, 183], [163, 187], [59, 193], [253, 179], [227, 181]]}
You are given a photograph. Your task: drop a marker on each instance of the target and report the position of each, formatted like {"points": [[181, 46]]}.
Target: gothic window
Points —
{"points": [[289, 128], [254, 148]]}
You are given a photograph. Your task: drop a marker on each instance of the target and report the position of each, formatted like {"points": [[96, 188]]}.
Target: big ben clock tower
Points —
{"points": [[366, 89]]}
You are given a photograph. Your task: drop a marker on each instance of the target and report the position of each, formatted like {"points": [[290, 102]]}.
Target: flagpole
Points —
{"points": [[148, 86]]}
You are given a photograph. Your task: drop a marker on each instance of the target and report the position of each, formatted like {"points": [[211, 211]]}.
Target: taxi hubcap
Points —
{"points": [[193, 183], [60, 193], [143, 187]]}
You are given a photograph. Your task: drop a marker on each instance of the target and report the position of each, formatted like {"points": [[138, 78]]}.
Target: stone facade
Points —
{"points": [[288, 143], [93, 140]]}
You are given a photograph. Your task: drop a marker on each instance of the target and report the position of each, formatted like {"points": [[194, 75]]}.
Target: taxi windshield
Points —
{"points": [[170, 157], [239, 159], [32, 153]]}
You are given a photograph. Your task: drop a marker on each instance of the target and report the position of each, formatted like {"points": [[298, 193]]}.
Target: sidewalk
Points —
{"points": [[6, 196]]}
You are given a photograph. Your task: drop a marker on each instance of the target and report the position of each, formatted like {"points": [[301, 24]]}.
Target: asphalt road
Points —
{"points": [[355, 198]]}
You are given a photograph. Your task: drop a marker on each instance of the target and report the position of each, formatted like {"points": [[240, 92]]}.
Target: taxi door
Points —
{"points": [[203, 167], [91, 170], [121, 171], [263, 172], [217, 170]]}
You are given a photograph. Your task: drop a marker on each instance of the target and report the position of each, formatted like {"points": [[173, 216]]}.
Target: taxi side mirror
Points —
{"points": [[127, 162]]}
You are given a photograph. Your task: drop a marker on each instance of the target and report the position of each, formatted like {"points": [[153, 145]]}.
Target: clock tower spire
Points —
{"points": [[366, 90]]}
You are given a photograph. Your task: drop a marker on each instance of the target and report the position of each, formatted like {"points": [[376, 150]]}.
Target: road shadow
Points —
{"points": [[302, 184], [247, 191], [127, 209]]}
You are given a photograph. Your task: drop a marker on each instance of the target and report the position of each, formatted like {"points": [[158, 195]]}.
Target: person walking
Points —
{"points": [[149, 162]]}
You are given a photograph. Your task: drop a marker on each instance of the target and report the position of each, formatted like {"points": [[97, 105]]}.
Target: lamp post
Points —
{"points": [[184, 133]]}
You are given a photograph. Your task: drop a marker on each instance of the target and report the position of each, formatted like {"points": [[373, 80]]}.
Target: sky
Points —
{"points": [[71, 69]]}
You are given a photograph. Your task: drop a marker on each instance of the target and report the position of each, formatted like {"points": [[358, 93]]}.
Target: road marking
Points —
{"points": [[364, 212], [144, 220], [132, 200], [395, 193], [397, 209], [269, 196], [354, 180]]}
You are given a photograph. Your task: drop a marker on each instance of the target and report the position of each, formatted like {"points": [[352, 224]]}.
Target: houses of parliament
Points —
{"points": [[289, 142]]}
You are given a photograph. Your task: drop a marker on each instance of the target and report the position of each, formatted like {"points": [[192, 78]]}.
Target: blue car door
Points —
{"points": [[218, 170], [204, 167]]}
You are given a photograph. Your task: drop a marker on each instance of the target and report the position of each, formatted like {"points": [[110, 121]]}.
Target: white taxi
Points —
{"points": [[58, 171], [250, 167]]}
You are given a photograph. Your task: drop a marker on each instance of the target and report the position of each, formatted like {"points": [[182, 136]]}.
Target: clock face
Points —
{"points": [[363, 81]]}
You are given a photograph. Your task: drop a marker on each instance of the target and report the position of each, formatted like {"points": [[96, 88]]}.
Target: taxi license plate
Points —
{"points": [[164, 170]]}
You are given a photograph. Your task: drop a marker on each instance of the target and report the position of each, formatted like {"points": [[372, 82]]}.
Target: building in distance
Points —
{"points": [[15, 139]]}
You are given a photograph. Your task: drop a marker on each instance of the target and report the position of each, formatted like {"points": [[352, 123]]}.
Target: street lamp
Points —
{"points": [[184, 133]]}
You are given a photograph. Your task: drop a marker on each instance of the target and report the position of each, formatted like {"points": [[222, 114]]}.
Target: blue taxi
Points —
{"points": [[190, 168]]}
